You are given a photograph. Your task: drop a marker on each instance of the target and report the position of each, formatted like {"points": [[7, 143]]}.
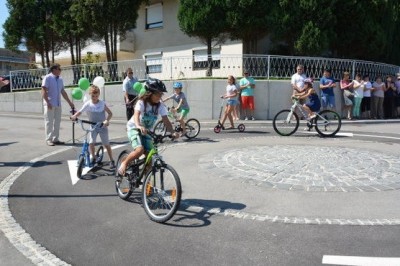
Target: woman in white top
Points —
{"points": [[366, 101], [378, 95], [231, 95], [358, 87]]}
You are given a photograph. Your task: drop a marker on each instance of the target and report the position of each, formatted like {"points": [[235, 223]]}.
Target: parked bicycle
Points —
{"points": [[286, 122], [161, 187], [192, 126], [84, 156]]}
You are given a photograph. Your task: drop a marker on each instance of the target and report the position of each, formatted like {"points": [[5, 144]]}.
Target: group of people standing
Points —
{"points": [[362, 99]]}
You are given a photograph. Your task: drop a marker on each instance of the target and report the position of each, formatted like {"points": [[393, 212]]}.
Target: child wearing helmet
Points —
{"points": [[182, 108], [147, 110], [314, 104]]}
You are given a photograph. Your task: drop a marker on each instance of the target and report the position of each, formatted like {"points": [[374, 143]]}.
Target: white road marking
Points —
{"points": [[364, 261], [73, 166], [377, 136]]}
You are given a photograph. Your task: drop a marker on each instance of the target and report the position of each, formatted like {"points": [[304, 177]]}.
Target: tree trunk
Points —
{"points": [[209, 58]]}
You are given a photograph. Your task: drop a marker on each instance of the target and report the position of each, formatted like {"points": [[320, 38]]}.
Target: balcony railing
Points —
{"points": [[175, 68]]}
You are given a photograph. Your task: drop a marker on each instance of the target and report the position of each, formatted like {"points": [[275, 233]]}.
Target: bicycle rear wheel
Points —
{"points": [[161, 193], [160, 128], [285, 122], [192, 128], [122, 183], [328, 123]]}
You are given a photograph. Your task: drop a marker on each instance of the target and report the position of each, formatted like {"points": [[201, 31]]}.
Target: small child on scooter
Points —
{"points": [[231, 95], [96, 110]]}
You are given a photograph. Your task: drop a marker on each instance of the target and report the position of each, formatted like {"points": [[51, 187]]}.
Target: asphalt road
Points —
{"points": [[251, 198]]}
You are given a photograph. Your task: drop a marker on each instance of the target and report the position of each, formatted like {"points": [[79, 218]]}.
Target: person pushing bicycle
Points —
{"points": [[182, 108], [147, 110]]}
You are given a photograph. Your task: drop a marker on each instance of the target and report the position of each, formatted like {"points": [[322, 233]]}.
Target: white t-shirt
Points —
{"points": [[367, 89], [298, 80], [148, 116], [95, 111], [230, 90], [358, 88]]}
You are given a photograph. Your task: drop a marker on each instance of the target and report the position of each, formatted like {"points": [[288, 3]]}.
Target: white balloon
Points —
{"points": [[86, 97], [99, 81]]}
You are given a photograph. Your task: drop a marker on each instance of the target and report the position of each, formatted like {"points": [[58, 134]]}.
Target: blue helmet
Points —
{"points": [[177, 85]]}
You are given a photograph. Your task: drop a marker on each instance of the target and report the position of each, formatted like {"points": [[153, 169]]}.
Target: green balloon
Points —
{"points": [[84, 83], [142, 91], [137, 86], [77, 94]]}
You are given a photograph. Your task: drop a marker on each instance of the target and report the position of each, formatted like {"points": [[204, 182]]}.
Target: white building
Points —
{"points": [[157, 36]]}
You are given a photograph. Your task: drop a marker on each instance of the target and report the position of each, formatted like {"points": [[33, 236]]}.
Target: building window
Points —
{"points": [[200, 58], [153, 63], [154, 16]]}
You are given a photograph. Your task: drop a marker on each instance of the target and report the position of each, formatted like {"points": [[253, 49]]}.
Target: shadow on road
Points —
{"points": [[197, 212]]}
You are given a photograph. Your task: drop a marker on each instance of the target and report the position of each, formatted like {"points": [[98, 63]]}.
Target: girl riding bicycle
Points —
{"points": [[314, 104], [182, 107], [147, 110]]}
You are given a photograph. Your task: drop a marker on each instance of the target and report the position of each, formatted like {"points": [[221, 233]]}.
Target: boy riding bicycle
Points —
{"points": [[147, 110], [182, 108]]}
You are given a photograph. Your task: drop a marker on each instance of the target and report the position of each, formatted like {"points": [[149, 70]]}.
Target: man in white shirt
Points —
{"points": [[297, 80]]}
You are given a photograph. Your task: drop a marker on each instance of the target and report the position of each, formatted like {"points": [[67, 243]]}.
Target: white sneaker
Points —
{"points": [[246, 118], [252, 118]]}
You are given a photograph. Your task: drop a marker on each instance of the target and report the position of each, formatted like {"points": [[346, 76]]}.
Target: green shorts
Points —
{"points": [[183, 112], [137, 140]]}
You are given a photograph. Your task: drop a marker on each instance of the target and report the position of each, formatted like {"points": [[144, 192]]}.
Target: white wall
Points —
{"points": [[203, 97]]}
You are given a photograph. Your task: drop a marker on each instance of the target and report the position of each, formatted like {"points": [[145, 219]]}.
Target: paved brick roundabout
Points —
{"points": [[299, 167]]}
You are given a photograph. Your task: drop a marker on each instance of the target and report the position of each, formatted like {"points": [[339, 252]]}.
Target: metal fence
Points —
{"points": [[174, 68]]}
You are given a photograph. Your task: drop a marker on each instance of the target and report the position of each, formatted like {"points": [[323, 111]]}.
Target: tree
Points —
{"points": [[249, 20], [304, 27], [206, 20], [107, 19]]}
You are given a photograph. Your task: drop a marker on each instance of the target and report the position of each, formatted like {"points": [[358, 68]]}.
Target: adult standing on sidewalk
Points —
{"points": [[327, 84], [130, 95], [297, 82], [52, 89], [247, 86]]}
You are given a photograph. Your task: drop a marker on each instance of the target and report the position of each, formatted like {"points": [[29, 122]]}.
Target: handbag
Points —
{"points": [[348, 93]]}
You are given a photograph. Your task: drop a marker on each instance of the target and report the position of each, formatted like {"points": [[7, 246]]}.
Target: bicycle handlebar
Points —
{"points": [[81, 122], [156, 137]]}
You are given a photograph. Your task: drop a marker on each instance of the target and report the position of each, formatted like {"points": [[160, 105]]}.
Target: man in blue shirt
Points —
{"points": [[326, 84]]}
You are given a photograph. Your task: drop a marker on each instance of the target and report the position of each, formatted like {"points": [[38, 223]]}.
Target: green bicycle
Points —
{"points": [[161, 189]]}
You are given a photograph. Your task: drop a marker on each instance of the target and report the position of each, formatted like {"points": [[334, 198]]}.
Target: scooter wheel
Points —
{"points": [[217, 129], [241, 127]]}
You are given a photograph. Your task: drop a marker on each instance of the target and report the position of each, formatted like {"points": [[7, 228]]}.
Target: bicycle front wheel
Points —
{"points": [[81, 165], [161, 193], [328, 123], [160, 128], [192, 128], [285, 122]]}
